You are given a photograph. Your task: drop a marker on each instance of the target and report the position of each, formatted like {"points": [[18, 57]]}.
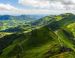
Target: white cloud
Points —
{"points": [[4, 7], [56, 6], [47, 4], [44, 7], [35, 3], [50, 4], [9, 9]]}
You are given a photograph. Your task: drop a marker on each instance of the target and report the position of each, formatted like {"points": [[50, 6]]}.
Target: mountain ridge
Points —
{"points": [[51, 40]]}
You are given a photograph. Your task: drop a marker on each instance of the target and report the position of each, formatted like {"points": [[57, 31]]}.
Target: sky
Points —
{"points": [[18, 7]]}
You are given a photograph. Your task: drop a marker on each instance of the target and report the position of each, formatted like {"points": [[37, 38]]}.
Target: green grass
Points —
{"points": [[42, 42]]}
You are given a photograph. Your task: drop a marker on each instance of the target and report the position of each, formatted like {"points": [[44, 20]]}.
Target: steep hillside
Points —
{"points": [[55, 39], [40, 43]]}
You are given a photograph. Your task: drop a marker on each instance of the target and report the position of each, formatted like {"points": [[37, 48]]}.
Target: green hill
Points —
{"points": [[55, 39]]}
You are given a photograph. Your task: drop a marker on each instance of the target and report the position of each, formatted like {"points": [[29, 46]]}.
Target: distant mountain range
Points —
{"points": [[21, 17], [54, 22], [9, 21]]}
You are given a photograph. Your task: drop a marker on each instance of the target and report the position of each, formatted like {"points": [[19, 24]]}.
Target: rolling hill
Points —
{"points": [[52, 37], [9, 21]]}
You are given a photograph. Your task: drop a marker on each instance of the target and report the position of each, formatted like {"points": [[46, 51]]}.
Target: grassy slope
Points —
{"points": [[39, 43]]}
